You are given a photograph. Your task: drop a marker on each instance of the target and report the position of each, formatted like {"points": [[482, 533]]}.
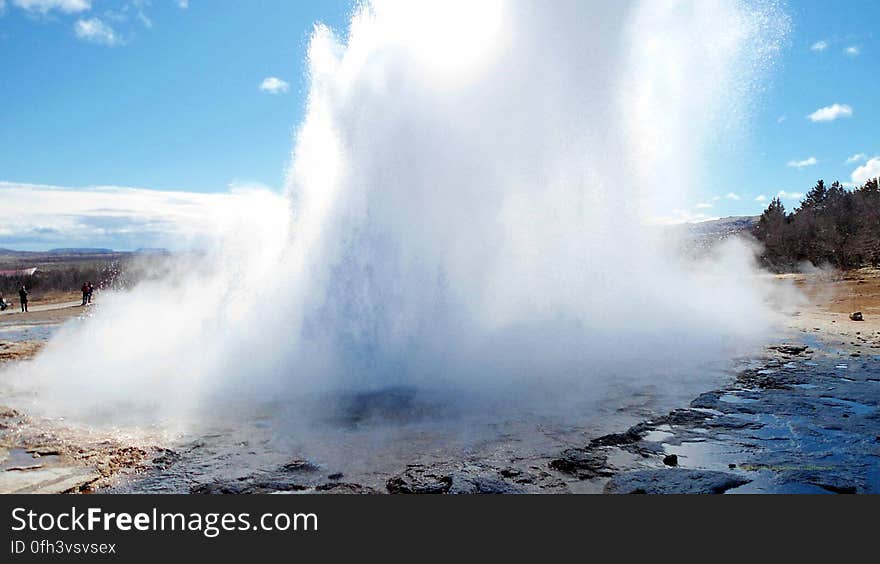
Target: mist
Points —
{"points": [[467, 211]]}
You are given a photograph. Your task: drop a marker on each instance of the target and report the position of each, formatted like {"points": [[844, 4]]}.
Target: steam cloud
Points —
{"points": [[466, 211]]}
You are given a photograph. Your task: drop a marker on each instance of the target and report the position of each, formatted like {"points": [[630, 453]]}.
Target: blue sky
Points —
{"points": [[833, 57], [171, 101], [197, 96]]}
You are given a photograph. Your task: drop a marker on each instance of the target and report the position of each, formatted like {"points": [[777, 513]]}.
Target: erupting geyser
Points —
{"points": [[469, 201]]}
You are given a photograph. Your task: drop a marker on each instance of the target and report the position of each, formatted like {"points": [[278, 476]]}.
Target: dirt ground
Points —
{"points": [[50, 309], [832, 297]]}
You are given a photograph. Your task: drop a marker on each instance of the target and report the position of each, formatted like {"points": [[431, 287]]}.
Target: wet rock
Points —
{"points": [[708, 400], [765, 381], [300, 465], [463, 483], [789, 349], [286, 478], [683, 417], [674, 481], [585, 463], [335, 477], [670, 460], [166, 459], [54, 480], [43, 451], [449, 479], [856, 316], [248, 485], [23, 468], [344, 488], [419, 479], [632, 435], [834, 488]]}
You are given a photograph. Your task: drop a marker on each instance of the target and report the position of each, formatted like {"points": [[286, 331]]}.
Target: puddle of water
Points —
{"points": [[20, 458], [709, 455], [657, 436], [736, 399], [26, 332]]}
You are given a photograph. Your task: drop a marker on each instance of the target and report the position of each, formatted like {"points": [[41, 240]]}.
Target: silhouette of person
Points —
{"points": [[91, 289], [22, 297], [85, 291]]}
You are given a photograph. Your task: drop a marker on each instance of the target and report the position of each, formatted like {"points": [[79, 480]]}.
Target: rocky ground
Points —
{"points": [[40, 456], [803, 417]]}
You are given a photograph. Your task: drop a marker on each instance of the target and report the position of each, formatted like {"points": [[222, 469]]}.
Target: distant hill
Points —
{"points": [[11, 259], [701, 237], [81, 251], [724, 227]]}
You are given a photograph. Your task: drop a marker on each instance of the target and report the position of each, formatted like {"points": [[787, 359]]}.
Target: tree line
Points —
{"points": [[832, 225]]}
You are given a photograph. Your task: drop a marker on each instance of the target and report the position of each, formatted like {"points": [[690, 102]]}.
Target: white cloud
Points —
{"points": [[781, 119], [128, 218], [274, 85], [183, 4], [46, 6], [703, 206], [144, 18], [857, 158], [96, 31], [801, 164], [831, 113], [732, 196], [819, 46], [870, 169], [677, 217], [852, 50], [783, 195], [762, 198]]}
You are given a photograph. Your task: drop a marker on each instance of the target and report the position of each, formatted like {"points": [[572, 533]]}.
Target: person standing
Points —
{"points": [[85, 292], [91, 289], [23, 298]]}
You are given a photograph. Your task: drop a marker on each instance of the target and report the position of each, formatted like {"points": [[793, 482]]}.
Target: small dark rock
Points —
{"points": [[838, 489], [670, 460], [419, 479], [464, 483], [300, 465], [856, 316], [617, 439], [345, 488], [166, 459], [336, 476], [583, 463], [791, 350]]}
